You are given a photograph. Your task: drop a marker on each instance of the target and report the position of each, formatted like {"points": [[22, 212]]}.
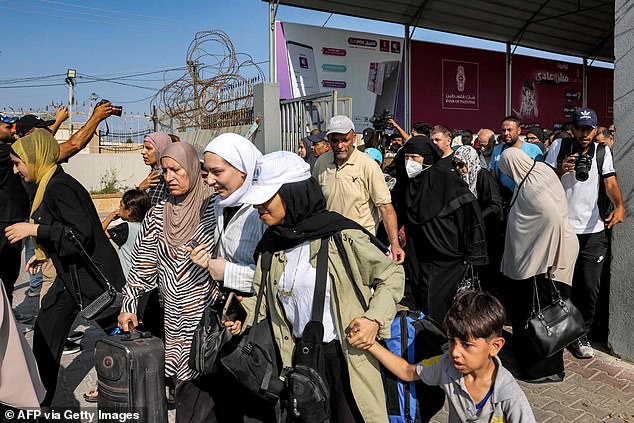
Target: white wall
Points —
{"points": [[88, 169]]}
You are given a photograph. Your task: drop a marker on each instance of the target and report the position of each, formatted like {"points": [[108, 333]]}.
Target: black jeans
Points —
{"points": [[343, 407], [587, 278], [10, 260]]}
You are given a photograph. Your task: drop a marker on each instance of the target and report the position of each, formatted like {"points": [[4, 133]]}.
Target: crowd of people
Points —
{"points": [[520, 211]]}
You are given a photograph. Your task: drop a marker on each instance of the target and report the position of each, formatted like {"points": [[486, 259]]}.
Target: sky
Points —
{"points": [[117, 39]]}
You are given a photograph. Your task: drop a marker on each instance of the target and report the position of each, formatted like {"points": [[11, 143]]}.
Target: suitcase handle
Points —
{"points": [[133, 336]]}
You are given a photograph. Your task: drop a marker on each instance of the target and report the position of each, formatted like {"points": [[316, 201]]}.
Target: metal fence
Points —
{"points": [[303, 114], [121, 141]]}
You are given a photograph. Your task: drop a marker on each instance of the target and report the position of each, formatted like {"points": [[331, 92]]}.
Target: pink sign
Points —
{"points": [[330, 51], [460, 85], [333, 84]]}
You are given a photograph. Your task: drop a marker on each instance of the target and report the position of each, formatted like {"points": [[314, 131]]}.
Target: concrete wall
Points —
{"points": [[88, 169], [622, 289]]}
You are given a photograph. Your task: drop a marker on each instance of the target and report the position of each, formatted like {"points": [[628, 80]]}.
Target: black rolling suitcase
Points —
{"points": [[131, 378]]}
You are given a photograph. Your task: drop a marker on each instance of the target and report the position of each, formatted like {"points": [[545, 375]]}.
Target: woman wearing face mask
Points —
{"points": [[360, 299], [443, 228], [154, 185], [230, 163]]}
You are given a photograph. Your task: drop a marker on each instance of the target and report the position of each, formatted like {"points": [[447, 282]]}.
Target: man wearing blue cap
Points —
{"points": [[587, 173]]}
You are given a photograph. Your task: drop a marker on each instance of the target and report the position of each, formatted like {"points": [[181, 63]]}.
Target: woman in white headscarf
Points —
{"points": [[230, 163], [539, 241]]}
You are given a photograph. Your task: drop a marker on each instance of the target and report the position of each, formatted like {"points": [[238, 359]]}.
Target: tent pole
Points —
{"points": [[272, 76], [584, 78], [407, 59], [509, 59]]}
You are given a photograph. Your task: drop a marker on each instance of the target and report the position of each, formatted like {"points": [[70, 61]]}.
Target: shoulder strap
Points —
{"points": [[319, 295], [265, 264], [70, 235], [600, 155], [346, 263], [517, 191]]}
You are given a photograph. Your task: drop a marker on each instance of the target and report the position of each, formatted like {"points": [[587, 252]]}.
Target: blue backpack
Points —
{"points": [[414, 337]]}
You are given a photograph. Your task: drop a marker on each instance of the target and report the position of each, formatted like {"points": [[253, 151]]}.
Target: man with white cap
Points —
{"points": [[353, 184]]}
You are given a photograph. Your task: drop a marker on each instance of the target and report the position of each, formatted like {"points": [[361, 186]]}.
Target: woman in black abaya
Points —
{"points": [[443, 228]]}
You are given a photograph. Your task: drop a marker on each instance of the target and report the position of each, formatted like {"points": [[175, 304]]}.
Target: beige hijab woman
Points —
{"points": [[182, 213], [539, 236]]}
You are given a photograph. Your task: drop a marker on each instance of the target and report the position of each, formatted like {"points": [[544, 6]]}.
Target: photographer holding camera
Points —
{"points": [[586, 171]]}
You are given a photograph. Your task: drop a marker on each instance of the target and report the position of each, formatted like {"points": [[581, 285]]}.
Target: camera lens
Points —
{"points": [[117, 110]]}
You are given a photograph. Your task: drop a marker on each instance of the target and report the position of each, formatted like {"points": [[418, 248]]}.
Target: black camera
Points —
{"points": [[382, 121], [583, 163], [116, 110]]}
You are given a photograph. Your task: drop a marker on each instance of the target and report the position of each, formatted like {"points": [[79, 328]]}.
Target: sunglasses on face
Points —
{"points": [[459, 165], [531, 138]]}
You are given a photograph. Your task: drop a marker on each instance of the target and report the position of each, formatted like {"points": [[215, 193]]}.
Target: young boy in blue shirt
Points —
{"points": [[478, 387]]}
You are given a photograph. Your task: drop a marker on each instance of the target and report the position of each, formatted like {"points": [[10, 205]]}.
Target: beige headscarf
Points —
{"points": [[20, 385], [40, 152], [539, 235], [182, 214]]}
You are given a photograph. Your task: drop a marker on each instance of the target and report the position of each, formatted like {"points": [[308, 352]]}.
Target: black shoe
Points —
{"points": [[24, 318], [75, 336], [71, 348], [557, 377], [581, 348]]}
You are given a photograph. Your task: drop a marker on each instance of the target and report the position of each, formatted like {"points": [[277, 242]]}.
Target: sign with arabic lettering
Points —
{"points": [[460, 85]]}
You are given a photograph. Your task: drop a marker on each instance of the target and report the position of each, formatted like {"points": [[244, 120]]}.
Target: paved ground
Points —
{"points": [[597, 390]]}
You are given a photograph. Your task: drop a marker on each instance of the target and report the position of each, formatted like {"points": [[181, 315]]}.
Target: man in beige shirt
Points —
{"points": [[353, 184]]}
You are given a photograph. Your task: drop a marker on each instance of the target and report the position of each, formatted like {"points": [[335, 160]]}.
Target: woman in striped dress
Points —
{"points": [[160, 259]]}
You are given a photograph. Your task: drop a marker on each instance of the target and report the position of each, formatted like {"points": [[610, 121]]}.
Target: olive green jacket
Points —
{"points": [[379, 280]]}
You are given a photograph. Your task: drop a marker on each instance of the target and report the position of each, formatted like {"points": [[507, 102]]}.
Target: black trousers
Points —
{"points": [[52, 326], [531, 366], [193, 401], [586, 281], [10, 260], [343, 407], [49, 334]]}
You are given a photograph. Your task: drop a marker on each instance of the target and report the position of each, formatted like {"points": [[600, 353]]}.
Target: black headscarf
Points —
{"points": [[435, 192], [306, 219]]}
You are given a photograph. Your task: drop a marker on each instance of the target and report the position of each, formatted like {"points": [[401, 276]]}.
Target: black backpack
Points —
{"points": [[605, 205]]}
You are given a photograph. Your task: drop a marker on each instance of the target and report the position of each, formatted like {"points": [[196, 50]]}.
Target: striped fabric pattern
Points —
{"points": [[186, 288]]}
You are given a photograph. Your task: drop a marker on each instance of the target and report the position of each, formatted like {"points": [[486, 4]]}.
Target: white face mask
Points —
{"points": [[413, 168]]}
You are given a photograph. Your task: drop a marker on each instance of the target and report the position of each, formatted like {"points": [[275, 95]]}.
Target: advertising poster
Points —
{"points": [[545, 92], [461, 88], [601, 94], [367, 67]]}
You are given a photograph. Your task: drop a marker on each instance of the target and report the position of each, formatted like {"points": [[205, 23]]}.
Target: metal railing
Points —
{"points": [[303, 114]]}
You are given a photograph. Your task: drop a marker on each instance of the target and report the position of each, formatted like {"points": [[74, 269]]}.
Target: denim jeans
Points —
{"points": [[29, 251]]}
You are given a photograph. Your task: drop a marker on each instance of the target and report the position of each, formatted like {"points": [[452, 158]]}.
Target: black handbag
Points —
{"points": [[254, 361], [105, 305], [208, 340], [556, 325], [309, 396]]}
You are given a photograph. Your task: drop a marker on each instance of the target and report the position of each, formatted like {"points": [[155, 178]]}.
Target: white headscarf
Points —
{"points": [[240, 153], [539, 235]]}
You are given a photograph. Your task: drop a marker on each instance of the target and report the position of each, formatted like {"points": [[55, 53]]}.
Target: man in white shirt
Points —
{"points": [[583, 193]]}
